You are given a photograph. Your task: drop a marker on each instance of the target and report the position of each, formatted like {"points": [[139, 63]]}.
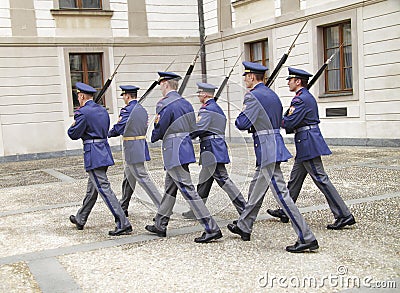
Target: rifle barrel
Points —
{"points": [[108, 82], [190, 69], [274, 74], [285, 56], [153, 85], [321, 70], [225, 81]]}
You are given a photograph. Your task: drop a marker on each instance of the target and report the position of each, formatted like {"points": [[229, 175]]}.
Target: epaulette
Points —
{"points": [[297, 100], [202, 109]]}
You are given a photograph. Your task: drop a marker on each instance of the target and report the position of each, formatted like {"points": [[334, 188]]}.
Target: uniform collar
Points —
{"points": [[132, 101], [257, 85], [88, 102], [209, 101], [298, 92]]}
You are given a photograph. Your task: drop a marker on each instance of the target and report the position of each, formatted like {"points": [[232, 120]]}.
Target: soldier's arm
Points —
{"points": [[77, 129], [202, 123], [294, 115], [161, 124], [249, 113], [119, 127]]}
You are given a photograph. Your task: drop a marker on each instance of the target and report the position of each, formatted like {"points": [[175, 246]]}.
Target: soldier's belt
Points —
{"points": [[134, 137], [94, 140], [179, 134], [304, 128], [212, 137], [267, 132]]}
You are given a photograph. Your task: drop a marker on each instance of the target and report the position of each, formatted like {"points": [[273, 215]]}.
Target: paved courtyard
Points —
{"points": [[41, 251]]}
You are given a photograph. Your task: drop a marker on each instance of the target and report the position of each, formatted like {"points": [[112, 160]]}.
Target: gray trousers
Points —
{"points": [[98, 183], [315, 168], [271, 176], [138, 173], [179, 178], [219, 173]]}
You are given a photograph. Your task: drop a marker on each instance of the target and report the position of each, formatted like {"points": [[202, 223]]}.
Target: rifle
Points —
{"points": [[153, 85], [190, 70], [321, 70], [278, 67], [108, 82], [225, 81]]}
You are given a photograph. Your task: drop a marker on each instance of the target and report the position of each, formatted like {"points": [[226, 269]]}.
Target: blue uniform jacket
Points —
{"points": [[175, 120], [262, 110], [92, 123], [119, 127], [133, 123], [303, 111], [211, 121]]}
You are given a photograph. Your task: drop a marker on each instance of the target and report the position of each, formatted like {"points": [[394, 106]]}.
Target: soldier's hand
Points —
{"points": [[286, 113], [251, 129]]}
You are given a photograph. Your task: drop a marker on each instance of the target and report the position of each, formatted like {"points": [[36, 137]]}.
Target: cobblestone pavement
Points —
{"points": [[41, 251]]}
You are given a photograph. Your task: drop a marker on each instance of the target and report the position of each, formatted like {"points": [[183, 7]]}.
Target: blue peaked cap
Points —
{"points": [[298, 73], [251, 67], [206, 87], [167, 75], [128, 89], [84, 88]]}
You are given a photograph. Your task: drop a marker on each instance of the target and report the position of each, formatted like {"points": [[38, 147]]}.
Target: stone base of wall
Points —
{"points": [[247, 139]]}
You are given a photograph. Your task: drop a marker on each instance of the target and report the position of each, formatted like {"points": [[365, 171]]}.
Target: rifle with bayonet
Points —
{"points": [[285, 56], [321, 70], [108, 82], [153, 85], [225, 81], [190, 70]]}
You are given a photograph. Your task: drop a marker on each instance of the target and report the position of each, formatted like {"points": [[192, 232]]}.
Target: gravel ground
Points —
{"points": [[34, 226]]}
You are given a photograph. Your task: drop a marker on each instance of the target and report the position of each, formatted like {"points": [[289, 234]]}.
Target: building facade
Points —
{"points": [[48, 45]]}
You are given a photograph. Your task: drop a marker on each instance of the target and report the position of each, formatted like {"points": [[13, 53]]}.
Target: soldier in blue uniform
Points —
{"points": [[262, 115], [91, 125], [302, 119], [174, 122], [132, 124], [211, 123]]}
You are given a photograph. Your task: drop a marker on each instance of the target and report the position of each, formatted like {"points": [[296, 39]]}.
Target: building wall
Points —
{"points": [[373, 108], [35, 89]]}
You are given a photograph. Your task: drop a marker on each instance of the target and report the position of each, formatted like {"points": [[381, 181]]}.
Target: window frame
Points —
{"points": [[78, 4], [341, 55], [85, 71], [316, 55], [105, 8], [265, 60], [105, 72]]}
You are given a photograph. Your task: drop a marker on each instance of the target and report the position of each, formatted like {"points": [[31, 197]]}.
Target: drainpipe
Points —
{"points": [[202, 36]]}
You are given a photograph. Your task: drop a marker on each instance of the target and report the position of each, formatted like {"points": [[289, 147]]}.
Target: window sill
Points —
{"points": [[337, 97], [238, 3], [334, 95], [82, 12]]}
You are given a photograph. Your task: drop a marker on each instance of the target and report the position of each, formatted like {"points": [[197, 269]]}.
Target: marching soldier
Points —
{"points": [[91, 125], [211, 123], [175, 120], [132, 124], [262, 114], [302, 119]]}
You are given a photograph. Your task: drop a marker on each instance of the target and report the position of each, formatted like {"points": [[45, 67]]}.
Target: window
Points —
{"points": [[86, 68], [338, 75], [259, 53], [80, 4]]}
